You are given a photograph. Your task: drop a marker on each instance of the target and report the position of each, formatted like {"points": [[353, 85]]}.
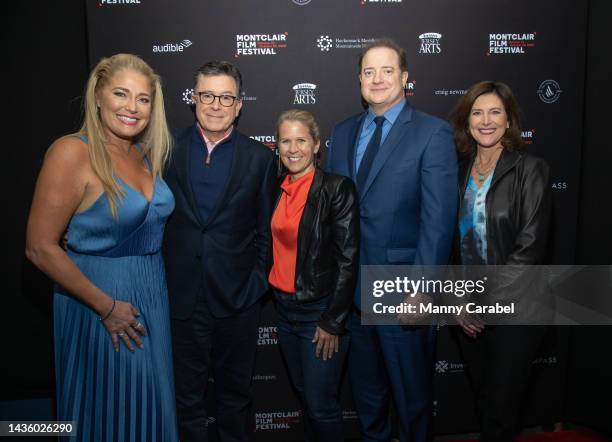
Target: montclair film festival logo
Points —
{"points": [[260, 44], [172, 47], [511, 43], [305, 93], [430, 43], [276, 420], [268, 335]]}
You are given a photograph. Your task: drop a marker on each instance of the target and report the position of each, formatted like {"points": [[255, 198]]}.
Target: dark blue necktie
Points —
{"points": [[369, 154]]}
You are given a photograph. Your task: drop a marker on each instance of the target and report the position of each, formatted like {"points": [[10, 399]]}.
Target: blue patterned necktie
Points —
{"points": [[369, 154]]}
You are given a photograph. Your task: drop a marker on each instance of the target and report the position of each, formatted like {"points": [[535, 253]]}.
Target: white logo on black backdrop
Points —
{"points": [[545, 360], [268, 140], [527, 136], [549, 91], [264, 377], [267, 336], [260, 44], [363, 2], [511, 43], [188, 97], [301, 2], [276, 420], [430, 43], [409, 89], [245, 97], [446, 92], [325, 43], [305, 93], [172, 47], [449, 367], [210, 420], [118, 2]]}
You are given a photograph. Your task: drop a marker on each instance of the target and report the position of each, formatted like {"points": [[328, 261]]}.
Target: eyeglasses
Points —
{"points": [[208, 98]]}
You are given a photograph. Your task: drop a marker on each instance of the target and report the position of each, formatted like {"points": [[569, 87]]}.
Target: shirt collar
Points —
{"points": [[210, 145], [391, 115]]}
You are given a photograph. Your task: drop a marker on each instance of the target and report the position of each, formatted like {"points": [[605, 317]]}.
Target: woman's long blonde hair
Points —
{"points": [[155, 139]]}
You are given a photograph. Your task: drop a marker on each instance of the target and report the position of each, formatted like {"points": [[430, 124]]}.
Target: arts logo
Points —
{"points": [[276, 420], [511, 43], [267, 336], [430, 43], [172, 47], [188, 97], [443, 367], [549, 91], [305, 93], [268, 140], [260, 44], [527, 136], [301, 2], [325, 43], [117, 2], [409, 89]]}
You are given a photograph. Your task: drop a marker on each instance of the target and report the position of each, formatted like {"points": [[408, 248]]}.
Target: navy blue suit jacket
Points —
{"points": [[409, 202], [228, 255]]}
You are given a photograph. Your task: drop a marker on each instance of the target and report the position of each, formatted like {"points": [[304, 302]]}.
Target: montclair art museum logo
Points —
{"points": [[430, 43], [305, 93], [549, 91], [172, 47]]}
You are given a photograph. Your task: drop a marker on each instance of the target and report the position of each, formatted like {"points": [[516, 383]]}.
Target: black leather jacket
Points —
{"points": [[518, 206], [328, 248]]}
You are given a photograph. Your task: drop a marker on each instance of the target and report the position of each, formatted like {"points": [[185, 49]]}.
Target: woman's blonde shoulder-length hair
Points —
{"points": [[155, 140]]}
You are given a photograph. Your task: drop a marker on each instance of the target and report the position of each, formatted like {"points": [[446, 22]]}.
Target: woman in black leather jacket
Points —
{"points": [[315, 238], [504, 214]]}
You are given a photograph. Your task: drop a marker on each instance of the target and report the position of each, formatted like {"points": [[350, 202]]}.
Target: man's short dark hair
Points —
{"points": [[219, 67], [386, 43]]}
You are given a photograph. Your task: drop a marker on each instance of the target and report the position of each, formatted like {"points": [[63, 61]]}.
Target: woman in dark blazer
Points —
{"points": [[315, 237], [504, 214]]}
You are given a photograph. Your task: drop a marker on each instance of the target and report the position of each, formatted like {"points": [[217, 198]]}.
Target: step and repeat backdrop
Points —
{"points": [[304, 53]]}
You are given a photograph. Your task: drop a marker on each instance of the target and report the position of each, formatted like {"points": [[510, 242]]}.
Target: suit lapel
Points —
{"points": [[237, 172], [393, 140], [182, 163]]}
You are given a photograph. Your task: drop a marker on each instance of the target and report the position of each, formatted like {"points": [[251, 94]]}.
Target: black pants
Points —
{"points": [[227, 346], [499, 363]]}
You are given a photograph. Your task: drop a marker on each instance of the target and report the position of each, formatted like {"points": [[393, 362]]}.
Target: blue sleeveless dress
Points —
{"points": [[117, 396]]}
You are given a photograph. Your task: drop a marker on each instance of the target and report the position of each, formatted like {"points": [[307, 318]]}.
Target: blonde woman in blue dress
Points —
{"points": [[113, 358]]}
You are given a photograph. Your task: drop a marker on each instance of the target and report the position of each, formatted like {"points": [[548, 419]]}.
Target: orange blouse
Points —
{"points": [[285, 225]]}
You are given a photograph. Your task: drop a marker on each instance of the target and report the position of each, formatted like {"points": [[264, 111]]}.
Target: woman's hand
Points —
{"points": [[326, 343], [471, 324], [122, 324]]}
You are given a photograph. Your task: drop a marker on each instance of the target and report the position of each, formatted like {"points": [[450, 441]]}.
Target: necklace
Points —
{"points": [[482, 174]]}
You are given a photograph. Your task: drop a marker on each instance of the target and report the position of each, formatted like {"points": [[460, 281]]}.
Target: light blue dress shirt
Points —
{"points": [[368, 127]]}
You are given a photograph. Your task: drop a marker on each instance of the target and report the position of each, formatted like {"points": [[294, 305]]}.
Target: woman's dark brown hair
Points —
{"points": [[460, 116]]}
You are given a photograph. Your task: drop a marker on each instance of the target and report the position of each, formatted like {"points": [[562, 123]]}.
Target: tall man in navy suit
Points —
{"points": [[217, 253], [404, 165]]}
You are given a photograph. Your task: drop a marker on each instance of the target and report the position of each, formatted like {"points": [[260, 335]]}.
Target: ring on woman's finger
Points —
{"points": [[121, 334], [137, 326]]}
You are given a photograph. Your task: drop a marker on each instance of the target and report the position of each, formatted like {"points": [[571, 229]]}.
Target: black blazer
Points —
{"points": [[328, 248], [518, 205], [228, 255]]}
